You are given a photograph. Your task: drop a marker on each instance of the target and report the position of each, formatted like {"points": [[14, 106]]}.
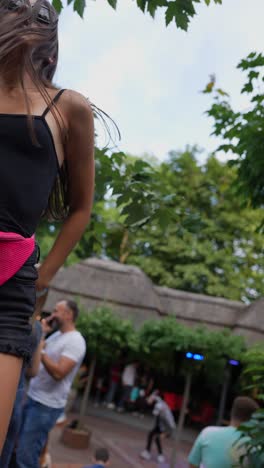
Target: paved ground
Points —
{"points": [[124, 436]]}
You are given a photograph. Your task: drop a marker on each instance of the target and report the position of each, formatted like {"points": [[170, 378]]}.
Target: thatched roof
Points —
{"points": [[132, 295], [125, 288], [198, 308], [251, 322]]}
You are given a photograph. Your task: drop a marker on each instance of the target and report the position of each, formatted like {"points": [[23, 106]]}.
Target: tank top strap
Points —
{"points": [[53, 102]]}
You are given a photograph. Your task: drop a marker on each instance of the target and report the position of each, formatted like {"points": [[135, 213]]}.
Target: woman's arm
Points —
{"points": [[79, 153]]}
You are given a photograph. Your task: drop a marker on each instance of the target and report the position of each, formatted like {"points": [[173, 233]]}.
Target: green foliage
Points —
{"points": [[180, 11], [208, 243], [177, 220], [160, 341], [253, 374], [129, 185], [243, 131], [254, 445], [106, 334], [243, 136]]}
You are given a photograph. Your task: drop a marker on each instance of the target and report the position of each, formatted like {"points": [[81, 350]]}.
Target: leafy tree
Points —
{"points": [[242, 131], [106, 336], [180, 11], [160, 341], [254, 382], [208, 243], [129, 185], [242, 134], [179, 221]]}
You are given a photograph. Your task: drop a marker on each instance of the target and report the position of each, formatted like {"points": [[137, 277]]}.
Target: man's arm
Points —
{"points": [[58, 370], [195, 456]]}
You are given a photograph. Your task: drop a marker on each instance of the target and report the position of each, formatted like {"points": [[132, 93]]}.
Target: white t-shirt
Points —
{"points": [[129, 375], [162, 410], [44, 388]]}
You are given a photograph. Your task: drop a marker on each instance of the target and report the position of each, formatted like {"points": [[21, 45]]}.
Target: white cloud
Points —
{"points": [[148, 77]]}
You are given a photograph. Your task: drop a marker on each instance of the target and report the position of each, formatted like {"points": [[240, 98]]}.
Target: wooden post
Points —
{"points": [[181, 420], [222, 404]]}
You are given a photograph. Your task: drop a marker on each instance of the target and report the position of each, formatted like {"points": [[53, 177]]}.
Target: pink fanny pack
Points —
{"points": [[15, 250]]}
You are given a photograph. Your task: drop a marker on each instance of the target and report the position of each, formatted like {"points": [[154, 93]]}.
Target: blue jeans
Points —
{"points": [[111, 392], [126, 391], [38, 420], [14, 425]]}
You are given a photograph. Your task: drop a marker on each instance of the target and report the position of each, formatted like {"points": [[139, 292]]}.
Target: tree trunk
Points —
{"points": [[124, 251], [86, 394], [181, 420]]}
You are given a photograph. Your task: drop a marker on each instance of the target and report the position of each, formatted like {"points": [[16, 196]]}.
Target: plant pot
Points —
{"points": [[76, 438]]}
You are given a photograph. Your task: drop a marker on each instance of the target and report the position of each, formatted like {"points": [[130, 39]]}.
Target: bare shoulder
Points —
{"points": [[76, 106]]}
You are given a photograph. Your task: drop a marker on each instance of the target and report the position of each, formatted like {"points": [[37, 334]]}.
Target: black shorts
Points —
{"points": [[17, 304]]}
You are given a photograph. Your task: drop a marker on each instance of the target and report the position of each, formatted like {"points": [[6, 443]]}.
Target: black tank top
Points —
{"points": [[27, 171]]}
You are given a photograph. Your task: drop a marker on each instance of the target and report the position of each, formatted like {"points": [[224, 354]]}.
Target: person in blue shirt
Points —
{"points": [[220, 447], [101, 459]]}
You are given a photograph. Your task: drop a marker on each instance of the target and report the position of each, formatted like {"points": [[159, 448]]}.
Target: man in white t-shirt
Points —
{"points": [[128, 381], [48, 391]]}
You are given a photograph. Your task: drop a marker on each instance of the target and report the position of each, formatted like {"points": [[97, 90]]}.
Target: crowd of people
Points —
{"points": [[124, 387], [57, 357], [58, 350], [132, 388]]}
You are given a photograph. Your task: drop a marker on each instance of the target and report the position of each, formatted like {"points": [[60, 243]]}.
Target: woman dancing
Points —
{"points": [[46, 166]]}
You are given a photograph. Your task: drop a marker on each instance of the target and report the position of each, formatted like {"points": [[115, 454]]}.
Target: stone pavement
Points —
{"points": [[124, 441]]}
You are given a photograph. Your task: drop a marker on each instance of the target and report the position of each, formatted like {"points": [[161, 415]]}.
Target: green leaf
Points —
{"points": [[142, 4], [79, 6], [58, 5], [152, 7], [170, 13], [180, 10], [112, 3]]}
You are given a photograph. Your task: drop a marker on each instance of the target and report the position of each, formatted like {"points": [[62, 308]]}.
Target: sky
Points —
{"points": [[148, 77]]}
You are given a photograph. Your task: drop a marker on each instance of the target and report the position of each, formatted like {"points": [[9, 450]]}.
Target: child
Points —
{"points": [[101, 459], [164, 426]]}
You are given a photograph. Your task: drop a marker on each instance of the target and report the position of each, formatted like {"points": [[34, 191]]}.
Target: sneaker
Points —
{"points": [[111, 406], [161, 459], [145, 455], [120, 410], [62, 419]]}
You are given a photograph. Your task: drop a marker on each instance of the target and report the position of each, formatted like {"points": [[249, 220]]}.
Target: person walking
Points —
{"points": [[163, 427], [46, 168], [48, 391]]}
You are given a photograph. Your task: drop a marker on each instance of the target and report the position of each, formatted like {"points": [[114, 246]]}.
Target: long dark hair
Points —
{"points": [[33, 50]]}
